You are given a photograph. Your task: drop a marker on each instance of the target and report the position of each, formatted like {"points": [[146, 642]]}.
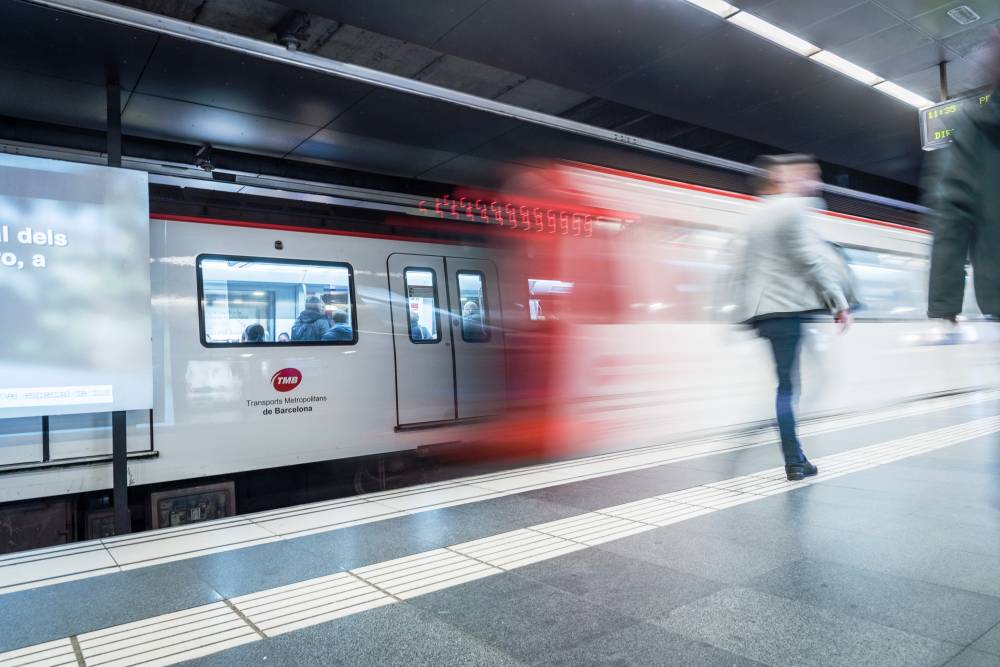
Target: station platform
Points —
{"points": [[695, 553]]}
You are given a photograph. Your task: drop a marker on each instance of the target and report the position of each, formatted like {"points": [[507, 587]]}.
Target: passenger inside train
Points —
{"points": [[254, 333], [340, 329]]}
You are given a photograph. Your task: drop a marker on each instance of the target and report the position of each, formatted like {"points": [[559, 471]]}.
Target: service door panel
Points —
{"points": [[477, 332], [425, 379]]}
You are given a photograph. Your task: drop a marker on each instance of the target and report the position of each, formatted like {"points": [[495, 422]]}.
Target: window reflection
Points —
{"points": [[421, 305], [472, 301], [890, 286], [544, 296]]}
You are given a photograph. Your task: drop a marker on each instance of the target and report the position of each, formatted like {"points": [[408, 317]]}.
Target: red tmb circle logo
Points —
{"points": [[286, 379]]}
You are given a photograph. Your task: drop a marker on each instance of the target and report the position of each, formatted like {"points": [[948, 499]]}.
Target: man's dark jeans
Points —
{"points": [[785, 336]]}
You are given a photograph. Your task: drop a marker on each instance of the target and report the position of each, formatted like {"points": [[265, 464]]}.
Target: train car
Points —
{"points": [[570, 329], [364, 345], [640, 349]]}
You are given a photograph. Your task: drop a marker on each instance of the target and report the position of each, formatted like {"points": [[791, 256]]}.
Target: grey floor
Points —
{"points": [[895, 565]]}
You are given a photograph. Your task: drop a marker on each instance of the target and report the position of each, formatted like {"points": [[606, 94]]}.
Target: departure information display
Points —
{"points": [[937, 123]]}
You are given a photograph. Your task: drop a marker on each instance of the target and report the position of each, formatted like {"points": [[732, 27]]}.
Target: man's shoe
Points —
{"points": [[800, 471]]}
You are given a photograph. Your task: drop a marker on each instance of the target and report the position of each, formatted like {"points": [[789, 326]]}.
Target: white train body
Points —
{"points": [[662, 375]]}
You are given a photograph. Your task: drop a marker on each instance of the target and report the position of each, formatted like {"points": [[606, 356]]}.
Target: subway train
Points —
{"points": [[590, 321], [644, 351]]}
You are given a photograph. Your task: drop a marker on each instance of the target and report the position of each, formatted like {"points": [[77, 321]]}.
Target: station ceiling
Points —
{"points": [[661, 69], [675, 60]]}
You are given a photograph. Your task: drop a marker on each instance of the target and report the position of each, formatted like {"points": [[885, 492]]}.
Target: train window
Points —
{"points": [[674, 274], [890, 286], [544, 297], [421, 305], [251, 301], [472, 301]]}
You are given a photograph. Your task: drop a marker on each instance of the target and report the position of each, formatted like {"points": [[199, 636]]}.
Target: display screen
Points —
{"points": [[937, 123], [74, 283]]}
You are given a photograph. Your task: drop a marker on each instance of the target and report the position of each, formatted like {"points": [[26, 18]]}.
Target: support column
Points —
{"points": [[114, 124], [119, 455], [943, 79], [119, 442]]}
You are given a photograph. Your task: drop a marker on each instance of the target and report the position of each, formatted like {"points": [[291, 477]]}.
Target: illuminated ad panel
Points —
{"points": [[74, 284]]}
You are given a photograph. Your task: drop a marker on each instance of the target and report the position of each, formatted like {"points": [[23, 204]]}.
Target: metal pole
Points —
{"points": [[46, 453], [114, 119], [943, 79], [119, 440], [119, 455]]}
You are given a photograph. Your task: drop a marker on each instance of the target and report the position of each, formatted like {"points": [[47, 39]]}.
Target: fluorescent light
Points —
{"points": [[834, 61], [771, 32], [719, 7], [900, 93]]}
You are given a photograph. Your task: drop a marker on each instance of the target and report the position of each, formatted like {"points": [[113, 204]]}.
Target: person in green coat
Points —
{"points": [[963, 190]]}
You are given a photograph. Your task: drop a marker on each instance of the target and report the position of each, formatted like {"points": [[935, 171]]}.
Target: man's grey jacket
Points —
{"points": [[784, 267]]}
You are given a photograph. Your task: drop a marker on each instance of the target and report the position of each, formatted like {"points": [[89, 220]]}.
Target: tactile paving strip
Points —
{"points": [[430, 571], [306, 603], [168, 638], [517, 548]]}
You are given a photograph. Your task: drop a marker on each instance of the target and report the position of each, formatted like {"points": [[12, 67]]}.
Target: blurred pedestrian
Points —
{"points": [[786, 274], [962, 190]]}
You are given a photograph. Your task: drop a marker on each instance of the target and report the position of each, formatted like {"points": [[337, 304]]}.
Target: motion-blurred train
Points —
{"points": [[591, 319]]}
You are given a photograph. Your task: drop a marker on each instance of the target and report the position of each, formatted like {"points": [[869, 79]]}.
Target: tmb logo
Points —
{"points": [[286, 379]]}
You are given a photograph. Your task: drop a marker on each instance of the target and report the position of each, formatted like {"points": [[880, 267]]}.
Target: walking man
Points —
{"points": [[784, 276]]}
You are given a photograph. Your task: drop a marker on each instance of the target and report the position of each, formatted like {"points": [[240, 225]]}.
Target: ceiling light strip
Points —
{"points": [[846, 67], [900, 93], [771, 32], [785, 39], [717, 7]]}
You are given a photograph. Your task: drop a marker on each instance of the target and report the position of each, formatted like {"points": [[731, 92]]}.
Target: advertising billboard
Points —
{"points": [[75, 330]]}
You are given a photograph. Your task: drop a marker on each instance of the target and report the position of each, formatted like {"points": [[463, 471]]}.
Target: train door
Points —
{"points": [[447, 338], [425, 379], [478, 336]]}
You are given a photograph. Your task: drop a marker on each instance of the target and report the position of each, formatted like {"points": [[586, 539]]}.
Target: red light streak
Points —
{"points": [[508, 215], [523, 215]]}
